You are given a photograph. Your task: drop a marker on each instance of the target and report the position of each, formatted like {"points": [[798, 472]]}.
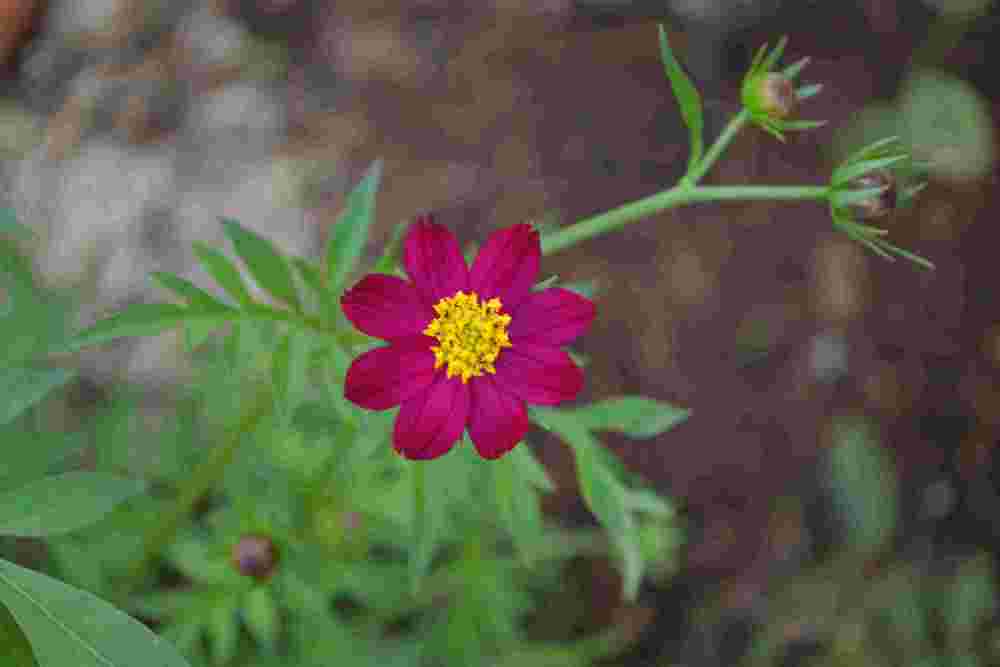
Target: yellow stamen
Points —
{"points": [[471, 334]]}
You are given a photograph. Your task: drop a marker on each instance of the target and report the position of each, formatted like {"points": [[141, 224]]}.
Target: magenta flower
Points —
{"points": [[467, 348]]}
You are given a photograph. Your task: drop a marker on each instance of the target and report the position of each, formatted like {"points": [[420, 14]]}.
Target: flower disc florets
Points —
{"points": [[471, 334]]}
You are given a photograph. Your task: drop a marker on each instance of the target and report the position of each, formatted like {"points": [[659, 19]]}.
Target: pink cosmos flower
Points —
{"points": [[467, 348]]}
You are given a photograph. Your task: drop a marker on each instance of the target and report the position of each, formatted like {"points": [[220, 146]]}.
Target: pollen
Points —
{"points": [[470, 335]]}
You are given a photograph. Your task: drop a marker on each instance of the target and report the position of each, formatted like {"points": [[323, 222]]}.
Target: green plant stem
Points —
{"points": [[201, 481], [681, 194], [716, 150]]}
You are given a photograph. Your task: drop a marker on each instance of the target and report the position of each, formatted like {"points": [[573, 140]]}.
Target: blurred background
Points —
{"points": [[838, 475]]}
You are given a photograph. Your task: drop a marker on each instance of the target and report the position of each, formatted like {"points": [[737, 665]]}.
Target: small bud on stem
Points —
{"points": [[878, 205], [255, 556]]}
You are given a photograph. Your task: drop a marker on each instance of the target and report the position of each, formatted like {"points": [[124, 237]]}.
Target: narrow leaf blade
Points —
{"points": [[635, 416], [350, 232], [224, 272], [688, 99], [267, 266]]}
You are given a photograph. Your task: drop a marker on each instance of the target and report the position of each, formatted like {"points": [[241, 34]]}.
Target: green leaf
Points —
{"points": [[530, 468], [772, 58], [848, 172], [13, 643], [143, 319], [517, 504], [389, 260], [11, 227], [31, 453], [316, 281], [223, 631], [62, 503], [648, 502], [545, 284], [863, 483], [188, 291], [223, 272], [812, 90], [23, 386], [604, 494], [350, 231], [969, 601], [260, 613], [796, 68], [67, 626], [635, 416], [687, 98], [267, 266], [289, 373]]}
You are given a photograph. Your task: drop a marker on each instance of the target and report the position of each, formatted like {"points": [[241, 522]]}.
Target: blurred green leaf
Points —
{"points": [[62, 503], [518, 504], [188, 291], [67, 626], [388, 262], [948, 123], [267, 266], [604, 494], [635, 416], [23, 386], [687, 98], [863, 483], [529, 467], [223, 272], [289, 373], [970, 600], [223, 631], [350, 231], [14, 644], [144, 319], [260, 613]]}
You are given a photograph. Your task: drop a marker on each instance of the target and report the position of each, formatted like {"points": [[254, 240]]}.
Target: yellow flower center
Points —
{"points": [[471, 334]]}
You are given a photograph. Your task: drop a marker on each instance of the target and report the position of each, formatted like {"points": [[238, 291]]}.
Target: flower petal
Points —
{"points": [[538, 374], [386, 376], [507, 265], [429, 424], [386, 307], [434, 261], [497, 421], [554, 317]]}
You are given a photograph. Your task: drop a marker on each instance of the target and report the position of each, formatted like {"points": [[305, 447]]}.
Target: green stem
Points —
{"points": [[201, 481], [681, 194], [722, 142]]}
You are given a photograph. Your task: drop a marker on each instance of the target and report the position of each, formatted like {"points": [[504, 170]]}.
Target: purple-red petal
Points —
{"points": [[386, 307], [434, 261], [429, 424], [507, 265], [554, 317], [497, 420], [387, 376], [538, 374]]}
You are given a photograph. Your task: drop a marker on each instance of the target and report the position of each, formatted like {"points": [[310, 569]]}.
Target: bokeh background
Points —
{"points": [[128, 126]]}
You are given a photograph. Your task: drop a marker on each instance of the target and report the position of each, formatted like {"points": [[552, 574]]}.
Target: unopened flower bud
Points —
{"points": [[878, 205], [770, 94], [255, 556]]}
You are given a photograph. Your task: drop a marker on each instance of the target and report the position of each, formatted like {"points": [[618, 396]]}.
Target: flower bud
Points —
{"points": [[255, 556], [771, 95], [878, 205]]}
